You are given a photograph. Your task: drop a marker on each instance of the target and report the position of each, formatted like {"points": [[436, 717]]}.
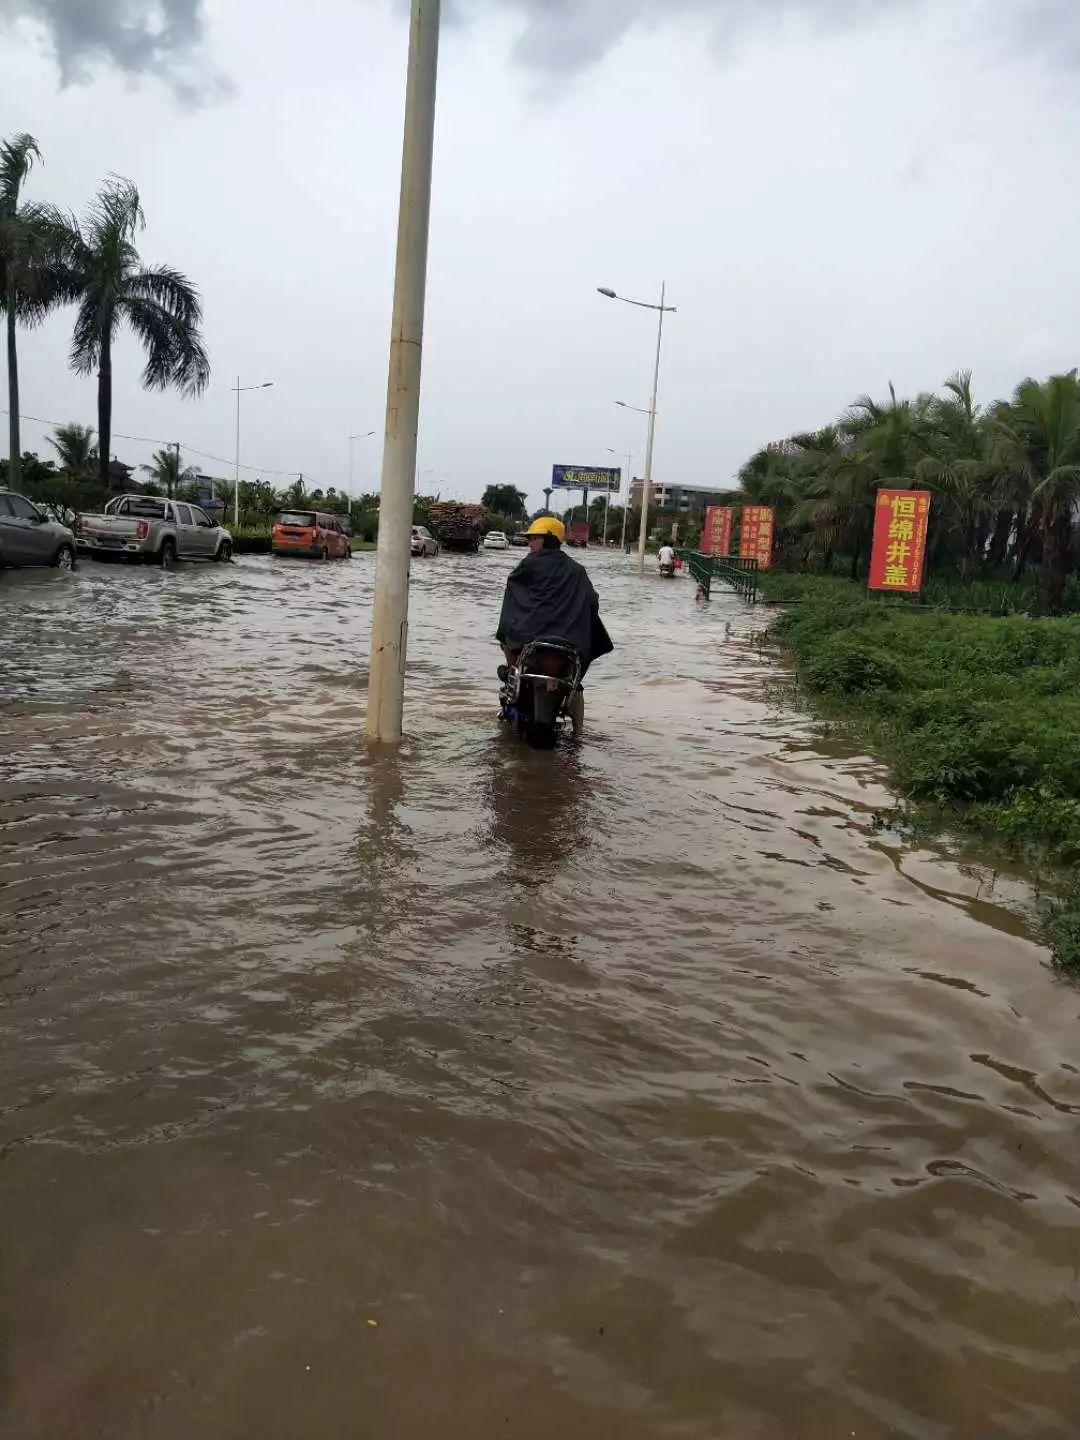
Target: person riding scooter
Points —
{"points": [[666, 559], [550, 596]]}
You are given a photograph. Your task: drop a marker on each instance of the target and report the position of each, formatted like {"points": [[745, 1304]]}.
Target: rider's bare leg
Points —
{"points": [[576, 711]]}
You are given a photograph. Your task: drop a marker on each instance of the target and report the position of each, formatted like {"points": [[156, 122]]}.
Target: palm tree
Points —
{"points": [[1016, 513], [892, 435], [112, 287], [881, 446], [816, 513], [957, 467], [74, 444], [295, 495], [28, 275], [1038, 433], [838, 504], [166, 472]]}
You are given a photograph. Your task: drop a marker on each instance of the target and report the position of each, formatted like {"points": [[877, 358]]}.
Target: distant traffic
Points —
{"points": [[153, 529]]}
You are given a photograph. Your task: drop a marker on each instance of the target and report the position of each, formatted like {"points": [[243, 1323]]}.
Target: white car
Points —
{"points": [[496, 540], [423, 542]]}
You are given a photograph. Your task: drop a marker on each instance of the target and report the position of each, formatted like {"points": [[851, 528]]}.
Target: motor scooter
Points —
{"points": [[536, 690]]}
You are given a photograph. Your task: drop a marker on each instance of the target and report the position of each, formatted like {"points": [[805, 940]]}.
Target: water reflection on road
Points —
{"points": [[642, 1090]]}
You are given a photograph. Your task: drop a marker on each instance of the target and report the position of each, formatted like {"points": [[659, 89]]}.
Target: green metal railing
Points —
{"points": [[740, 574]]}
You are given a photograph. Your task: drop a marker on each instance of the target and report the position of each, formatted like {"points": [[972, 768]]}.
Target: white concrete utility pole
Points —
{"points": [[646, 487], [390, 619]]}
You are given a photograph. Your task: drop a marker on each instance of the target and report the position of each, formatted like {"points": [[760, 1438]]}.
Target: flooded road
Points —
{"points": [[639, 1091]]}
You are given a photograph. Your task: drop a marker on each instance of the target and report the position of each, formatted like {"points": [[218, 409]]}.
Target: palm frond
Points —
{"points": [[1062, 484], [116, 210], [17, 155], [175, 355], [171, 289], [32, 248], [94, 322]]}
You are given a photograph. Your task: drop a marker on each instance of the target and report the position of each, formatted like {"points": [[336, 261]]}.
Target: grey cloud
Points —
{"points": [[570, 35], [139, 37], [163, 37]]}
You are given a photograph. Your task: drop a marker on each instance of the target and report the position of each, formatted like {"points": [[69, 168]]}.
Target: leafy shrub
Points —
{"points": [[1042, 816], [1061, 930], [849, 666]]}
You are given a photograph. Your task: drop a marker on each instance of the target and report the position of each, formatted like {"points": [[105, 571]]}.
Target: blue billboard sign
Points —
{"points": [[585, 477]]}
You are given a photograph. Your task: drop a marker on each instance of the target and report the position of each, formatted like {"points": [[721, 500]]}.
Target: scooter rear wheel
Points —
{"points": [[540, 737]]}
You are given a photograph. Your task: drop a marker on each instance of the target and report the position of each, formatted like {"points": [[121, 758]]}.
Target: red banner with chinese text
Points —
{"points": [[756, 534], [716, 532], [900, 521]]}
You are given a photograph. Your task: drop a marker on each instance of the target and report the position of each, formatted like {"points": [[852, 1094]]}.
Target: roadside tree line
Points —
{"points": [[50, 258], [1005, 481]]}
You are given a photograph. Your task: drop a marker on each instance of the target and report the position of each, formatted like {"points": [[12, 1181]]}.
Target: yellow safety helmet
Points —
{"points": [[548, 525]]}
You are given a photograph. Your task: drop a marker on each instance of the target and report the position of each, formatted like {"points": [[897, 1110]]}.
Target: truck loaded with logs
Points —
{"points": [[457, 524]]}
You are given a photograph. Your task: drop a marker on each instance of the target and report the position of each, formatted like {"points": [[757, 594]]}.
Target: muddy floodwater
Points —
{"points": [[643, 1091]]}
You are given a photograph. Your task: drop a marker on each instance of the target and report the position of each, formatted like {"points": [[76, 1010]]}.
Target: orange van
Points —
{"points": [[310, 533]]}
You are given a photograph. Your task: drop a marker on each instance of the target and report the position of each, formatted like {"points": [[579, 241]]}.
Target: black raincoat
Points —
{"points": [[550, 597]]}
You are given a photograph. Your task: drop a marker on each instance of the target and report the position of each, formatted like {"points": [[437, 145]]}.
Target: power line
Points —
{"points": [[152, 440]]}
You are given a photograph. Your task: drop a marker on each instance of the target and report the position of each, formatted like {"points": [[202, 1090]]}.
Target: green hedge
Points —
{"points": [[978, 715]]}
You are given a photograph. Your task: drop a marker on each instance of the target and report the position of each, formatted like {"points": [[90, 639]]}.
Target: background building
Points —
{"points": [[687, 499]]}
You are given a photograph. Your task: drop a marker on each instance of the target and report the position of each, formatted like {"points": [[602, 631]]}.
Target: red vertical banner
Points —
{"points": [[716, 532], [899, 553], [756, 534]]}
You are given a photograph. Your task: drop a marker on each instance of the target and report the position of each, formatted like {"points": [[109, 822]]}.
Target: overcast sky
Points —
{"points": [[839, 194]]}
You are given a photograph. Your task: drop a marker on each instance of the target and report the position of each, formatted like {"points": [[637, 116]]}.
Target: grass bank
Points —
{"points": [[984, 595], [978, 717]]}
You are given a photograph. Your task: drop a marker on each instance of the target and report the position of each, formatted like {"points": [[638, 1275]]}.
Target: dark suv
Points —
{"points": [[28, 537]]}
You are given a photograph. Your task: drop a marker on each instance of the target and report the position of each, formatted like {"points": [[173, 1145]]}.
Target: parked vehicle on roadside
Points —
{"points": [[311, 534], [496, 540], [423, 542], [519, 538], [28, 537], [149, 527]]}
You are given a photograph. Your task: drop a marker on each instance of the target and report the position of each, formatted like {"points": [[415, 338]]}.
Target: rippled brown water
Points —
{"points": [[638, 1091]]}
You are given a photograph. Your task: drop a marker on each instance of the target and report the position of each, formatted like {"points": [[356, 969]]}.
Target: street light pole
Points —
{"points": [[646, 489], [236, 477], [646, 486], [629, 481], [390, 618], [360, 435]]}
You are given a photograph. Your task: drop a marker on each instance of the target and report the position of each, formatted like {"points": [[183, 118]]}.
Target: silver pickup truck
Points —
{"points": [[147, 527]]}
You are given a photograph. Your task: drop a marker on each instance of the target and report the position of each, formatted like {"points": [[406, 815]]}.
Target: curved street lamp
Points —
{"points": [[241, 390], [646, 488], [360, 435]]}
